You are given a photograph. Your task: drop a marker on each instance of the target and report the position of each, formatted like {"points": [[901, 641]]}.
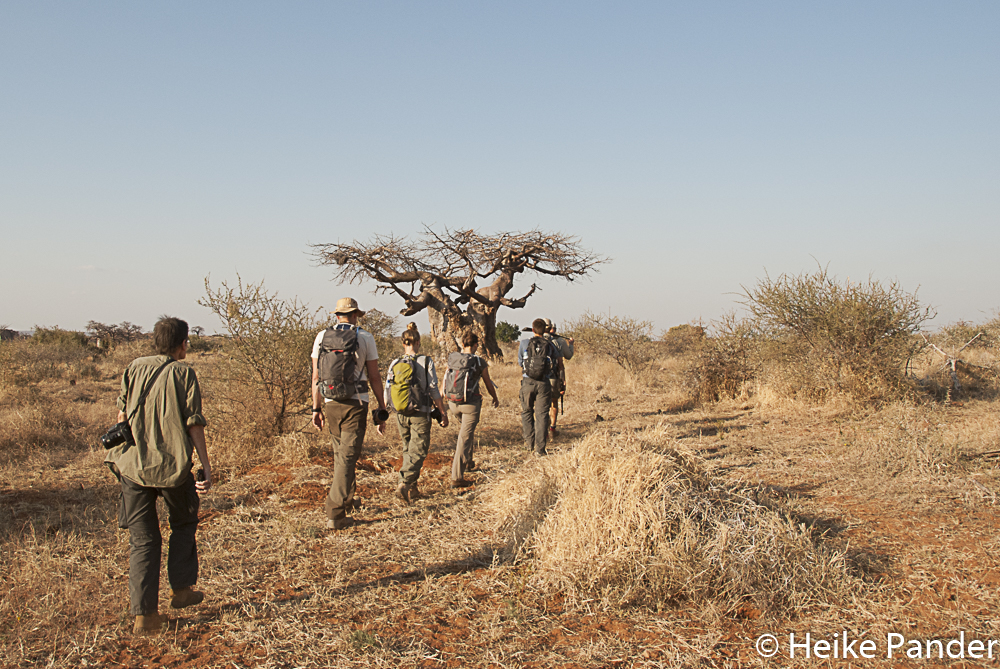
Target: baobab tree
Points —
{"points": [[461, 277]]}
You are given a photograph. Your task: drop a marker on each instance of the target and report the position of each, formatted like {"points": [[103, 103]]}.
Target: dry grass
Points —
{"points": [[628, 519], [692, 507]]}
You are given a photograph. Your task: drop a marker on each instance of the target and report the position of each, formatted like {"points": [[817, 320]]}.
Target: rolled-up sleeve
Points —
{"points": [[192, 401], [123, 395]]}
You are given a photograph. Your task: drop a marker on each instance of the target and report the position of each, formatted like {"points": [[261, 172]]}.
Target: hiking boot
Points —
{"points": [[472, 466], [149, 624], [461, 483], [414, 492], [339, 523], [185, 597], [553, 432], [403, 493]]}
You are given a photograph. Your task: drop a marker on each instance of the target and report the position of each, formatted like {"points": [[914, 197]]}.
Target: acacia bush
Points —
{"points": [[729, 360], [821, 336], [627, 341], [260, 388], [810, 336]]}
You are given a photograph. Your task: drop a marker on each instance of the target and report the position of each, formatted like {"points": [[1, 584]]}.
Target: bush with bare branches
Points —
{"points": [[822, 336], [262, 386], [627, 341]]}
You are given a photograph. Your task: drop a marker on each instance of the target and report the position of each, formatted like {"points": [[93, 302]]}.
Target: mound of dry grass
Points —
{"points": [[629, 521]]}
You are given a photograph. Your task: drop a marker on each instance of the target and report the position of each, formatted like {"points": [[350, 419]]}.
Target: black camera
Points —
{"points": [[380, 415], [200, 476], [436, 414], [120, 434]]}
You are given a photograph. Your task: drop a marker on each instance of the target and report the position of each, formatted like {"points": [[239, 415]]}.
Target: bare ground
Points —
{"points": [[422, 585]]}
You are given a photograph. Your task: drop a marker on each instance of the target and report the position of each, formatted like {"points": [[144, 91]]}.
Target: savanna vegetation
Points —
{"points": [[819, 462]]}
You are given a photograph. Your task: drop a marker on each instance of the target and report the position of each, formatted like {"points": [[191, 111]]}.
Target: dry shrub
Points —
{"points": [[729, 361], [822, 336], [33, 419], [627, 341], [627, 520], [27, 361], [114, 361], [904, 443]]}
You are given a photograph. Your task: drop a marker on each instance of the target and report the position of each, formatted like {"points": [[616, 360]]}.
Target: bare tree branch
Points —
{"points": [[444, 269]]}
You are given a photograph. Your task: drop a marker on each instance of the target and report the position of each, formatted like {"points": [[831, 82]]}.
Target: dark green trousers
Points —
{"points": [[137, 513]]}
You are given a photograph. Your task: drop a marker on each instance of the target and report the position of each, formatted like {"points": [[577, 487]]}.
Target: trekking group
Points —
{"points": [[160, 409]]}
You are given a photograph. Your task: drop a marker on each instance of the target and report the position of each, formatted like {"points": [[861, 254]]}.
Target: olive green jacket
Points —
{"points": [[161, 456]]}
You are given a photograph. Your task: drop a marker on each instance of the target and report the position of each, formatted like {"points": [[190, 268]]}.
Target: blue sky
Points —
{"points": [[145, 146]]}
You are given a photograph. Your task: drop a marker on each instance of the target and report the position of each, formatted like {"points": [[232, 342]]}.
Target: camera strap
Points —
{"points": [[149, 386]]}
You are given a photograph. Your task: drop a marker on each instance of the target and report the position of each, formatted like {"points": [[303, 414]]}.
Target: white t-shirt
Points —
{"points": [[366, 351]]}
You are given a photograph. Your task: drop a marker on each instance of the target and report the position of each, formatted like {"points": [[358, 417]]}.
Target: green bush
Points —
{"points": [[507, 333]]}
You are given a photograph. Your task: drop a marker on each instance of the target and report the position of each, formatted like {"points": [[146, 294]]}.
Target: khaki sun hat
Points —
{"points": [[347, 305]]}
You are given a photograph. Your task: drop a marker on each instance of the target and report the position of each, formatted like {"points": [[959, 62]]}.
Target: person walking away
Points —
{"points": [[536, 356], [344, 362], [564, 349], [161, 399], [465, 402], [411, 389]]}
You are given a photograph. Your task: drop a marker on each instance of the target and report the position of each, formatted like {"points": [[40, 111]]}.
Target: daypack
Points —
{"points": [[407, 391], [537, 361], [337, 365], [464, 370]]}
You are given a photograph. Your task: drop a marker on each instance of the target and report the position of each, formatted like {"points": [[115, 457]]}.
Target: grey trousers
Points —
{"points": [[468, 413], [416, 434], [348, 422], [536, 400], [137, 512]]}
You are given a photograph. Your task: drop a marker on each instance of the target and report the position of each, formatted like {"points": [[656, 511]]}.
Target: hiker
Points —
{"points": [[537, 356], [161, 400], [411, 389], [564, 348], [465, 402], [345, 360]]}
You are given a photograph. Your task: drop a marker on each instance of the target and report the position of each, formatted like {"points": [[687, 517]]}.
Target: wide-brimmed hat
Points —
{"points": [[347, 305]]}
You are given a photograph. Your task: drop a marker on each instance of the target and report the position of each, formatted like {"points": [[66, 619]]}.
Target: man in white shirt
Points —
{"points": [[347, 417]]}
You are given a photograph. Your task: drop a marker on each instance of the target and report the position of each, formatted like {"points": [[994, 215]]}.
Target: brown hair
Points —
{"points": [[469, 339], [169, 333], [538, 326], [410, 334]]}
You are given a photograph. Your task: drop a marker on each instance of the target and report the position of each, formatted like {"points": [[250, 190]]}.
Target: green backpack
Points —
{"points": [[407, 392]]}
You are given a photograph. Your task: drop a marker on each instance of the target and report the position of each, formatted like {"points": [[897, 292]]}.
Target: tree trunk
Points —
{"points": [[445, 331], [484, 324]]}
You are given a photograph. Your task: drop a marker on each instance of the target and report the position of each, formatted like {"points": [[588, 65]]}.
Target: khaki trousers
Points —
{"points": [[347, 422], [468, 413], [416, 434]]}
